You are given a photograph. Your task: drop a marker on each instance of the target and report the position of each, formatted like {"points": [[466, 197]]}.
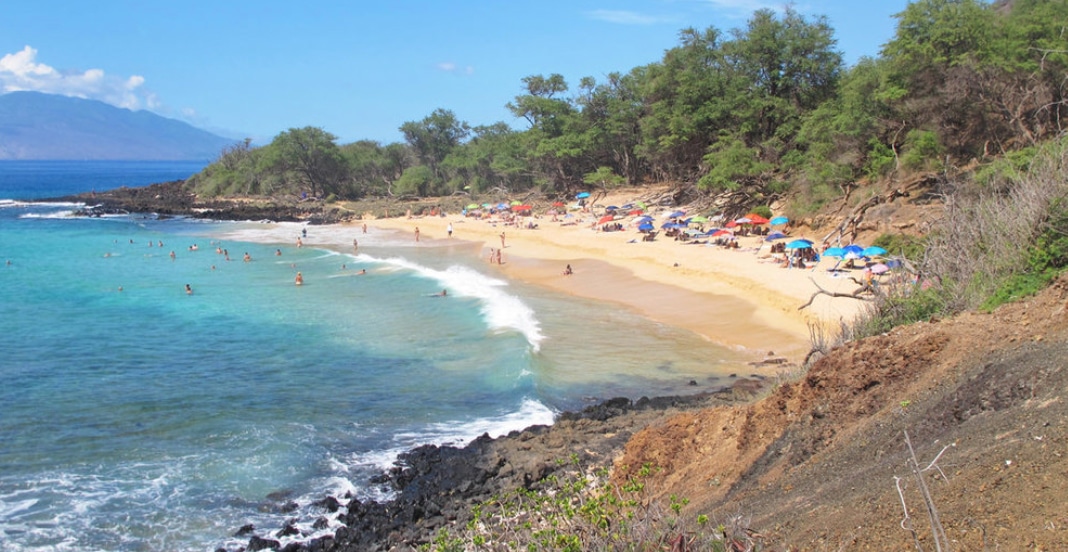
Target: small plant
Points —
{"points": [[582, 510]]}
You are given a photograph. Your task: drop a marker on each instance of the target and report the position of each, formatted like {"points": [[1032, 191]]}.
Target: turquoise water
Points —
{"points": [[135, 416]]}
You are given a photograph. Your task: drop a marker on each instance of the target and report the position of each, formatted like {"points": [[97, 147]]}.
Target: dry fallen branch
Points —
{"points": [[856, 294]]}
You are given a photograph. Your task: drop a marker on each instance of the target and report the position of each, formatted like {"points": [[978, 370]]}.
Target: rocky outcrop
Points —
{"points": [[437, 485]]}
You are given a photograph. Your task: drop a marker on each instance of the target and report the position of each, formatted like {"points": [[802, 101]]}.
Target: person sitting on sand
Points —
{"points": [[568, 271]]}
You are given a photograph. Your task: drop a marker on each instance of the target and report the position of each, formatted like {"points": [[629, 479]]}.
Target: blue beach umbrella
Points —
{"points": [[677, 214], [582, 195], [778, 220], [799, 244], [834, 252], [873, 251], [645, 227], [854, 249], [775, 236]]}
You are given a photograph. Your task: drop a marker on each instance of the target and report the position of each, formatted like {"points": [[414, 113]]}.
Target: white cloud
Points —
{"points": [[21, 72], [624, 17], [450, 67]]}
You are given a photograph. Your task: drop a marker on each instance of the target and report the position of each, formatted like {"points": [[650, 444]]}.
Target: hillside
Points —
{"points": [[50, 127], [813, 465]]}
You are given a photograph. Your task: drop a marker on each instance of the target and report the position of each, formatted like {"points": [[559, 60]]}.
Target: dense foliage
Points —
{"points": [[749, 109]]}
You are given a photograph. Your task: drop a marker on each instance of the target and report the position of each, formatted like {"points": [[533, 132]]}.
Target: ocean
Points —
{"points": [[135, 416]]}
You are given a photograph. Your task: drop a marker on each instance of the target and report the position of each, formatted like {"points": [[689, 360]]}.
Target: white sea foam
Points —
{"points": [[531, 412], [501, 310], [18, 203]]}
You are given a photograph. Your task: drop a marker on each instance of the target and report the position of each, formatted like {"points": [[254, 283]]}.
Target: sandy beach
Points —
{"points": [[740, 298]]}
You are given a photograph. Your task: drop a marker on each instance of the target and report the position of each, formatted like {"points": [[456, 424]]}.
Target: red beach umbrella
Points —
{"points": [[606, 218]]}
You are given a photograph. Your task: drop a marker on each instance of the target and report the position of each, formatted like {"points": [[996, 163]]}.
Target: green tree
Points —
{"points": [[434, 138], [555, 137], [308, 157]]}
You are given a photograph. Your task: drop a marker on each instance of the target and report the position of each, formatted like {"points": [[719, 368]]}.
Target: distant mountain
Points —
{"points": [[51, 127]]}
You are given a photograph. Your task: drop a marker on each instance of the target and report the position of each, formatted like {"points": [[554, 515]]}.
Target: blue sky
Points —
{"points": [[360, 69]]}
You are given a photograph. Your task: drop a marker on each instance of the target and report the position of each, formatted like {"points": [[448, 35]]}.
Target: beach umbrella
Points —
{"points": [[522, 208], [473, 206], [516, 202], [756, 219], [855, 250], [644, 218], [775, 236], [834, 252], [879, 268], [641, 205], [719, 233], [743, 220], [799, 244], [779, 220], [698, 219], [558, 204], [895, 263], [635, 212], [606, 218], [645, 227], [873, 251], [582, 195], [611, 208], [502, 206], [677, 214]]}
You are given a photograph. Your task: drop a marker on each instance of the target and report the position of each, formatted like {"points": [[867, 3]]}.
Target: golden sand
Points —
{"points": [[736, 297]]}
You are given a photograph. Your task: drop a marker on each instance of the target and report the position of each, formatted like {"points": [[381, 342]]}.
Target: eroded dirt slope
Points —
{"points": [[812, 466]]}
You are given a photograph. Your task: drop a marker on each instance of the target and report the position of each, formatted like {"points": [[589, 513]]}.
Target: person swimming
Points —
{"points": [[300, 279]]}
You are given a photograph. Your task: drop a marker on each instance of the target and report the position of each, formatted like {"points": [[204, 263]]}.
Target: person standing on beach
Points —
{"points": [[355, 245], [417, 233], [499, 256], [449, 229], [502, 240], [365, 228]]}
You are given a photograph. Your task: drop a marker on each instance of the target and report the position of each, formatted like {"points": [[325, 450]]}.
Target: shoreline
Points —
{"points": [[736, 298]]}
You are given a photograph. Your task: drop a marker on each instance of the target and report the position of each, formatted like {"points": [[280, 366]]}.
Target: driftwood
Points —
{"points": [[856, 294]]}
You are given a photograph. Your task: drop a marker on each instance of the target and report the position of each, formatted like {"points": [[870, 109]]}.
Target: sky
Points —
{"points": [[360, 69]]}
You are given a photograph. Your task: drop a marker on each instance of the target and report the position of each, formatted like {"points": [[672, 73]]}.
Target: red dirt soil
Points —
{"points": [[812, 466]]}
